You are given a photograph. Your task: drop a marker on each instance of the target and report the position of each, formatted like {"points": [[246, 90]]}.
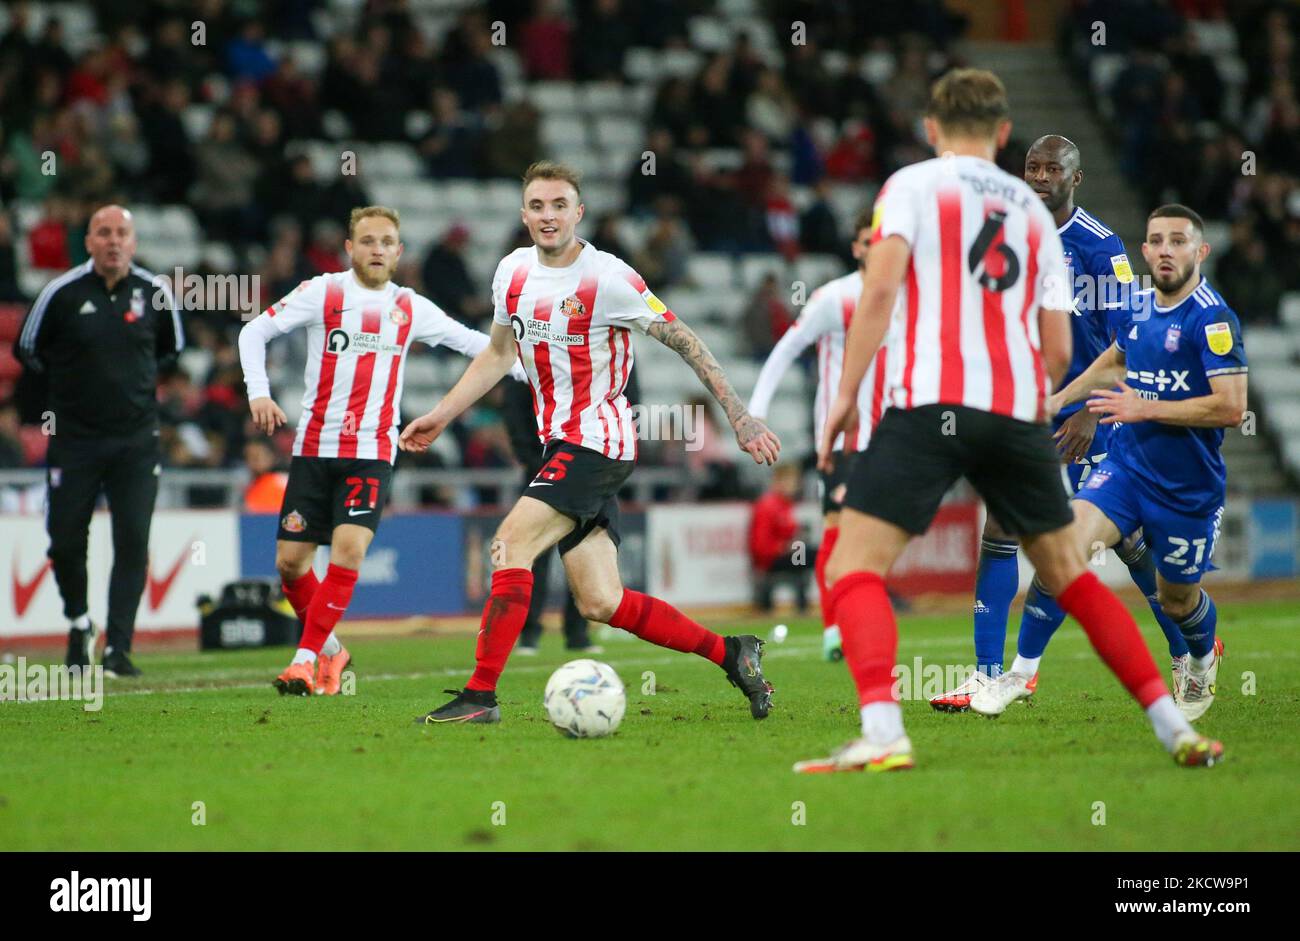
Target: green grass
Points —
{"points": [[688, 769]]}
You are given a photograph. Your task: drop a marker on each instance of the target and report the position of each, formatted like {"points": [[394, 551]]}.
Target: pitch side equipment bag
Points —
{"points": [[252, 612]]}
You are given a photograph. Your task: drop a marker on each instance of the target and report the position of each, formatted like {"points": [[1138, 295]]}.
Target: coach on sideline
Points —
{"points": [[100, 331]]}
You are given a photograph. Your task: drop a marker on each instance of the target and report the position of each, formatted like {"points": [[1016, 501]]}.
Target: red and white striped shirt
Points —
{"points": [[985, 255], [357, 341], [573, 329], [825, 321]]}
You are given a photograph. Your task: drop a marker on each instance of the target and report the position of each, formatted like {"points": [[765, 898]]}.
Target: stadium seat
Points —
{"points": [[712, 270], [461, 197], [1284, 416], [1268, 345], [619, 133], [564, 132], [502, 196], [325, 157], [397, 162], [604, 98], [310, 56], [754, 268], [1289, 309], [709, 34], [178, 222], [816, 270], [32, 280], [1275, 380], [729, 306], [554, 97], [218, 255], [1213, 36], [197, 119]]}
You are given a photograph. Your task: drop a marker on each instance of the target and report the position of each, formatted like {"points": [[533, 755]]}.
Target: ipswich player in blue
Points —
{"points": [[1101, 276], [1174, 378]]}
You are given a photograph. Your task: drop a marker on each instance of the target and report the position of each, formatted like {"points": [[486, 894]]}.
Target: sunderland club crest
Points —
{"points": [[293, 522], [572, 307], [399, 316]]}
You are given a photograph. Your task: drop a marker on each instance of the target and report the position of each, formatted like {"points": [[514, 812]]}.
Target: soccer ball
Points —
{"points": [[585, 699]]}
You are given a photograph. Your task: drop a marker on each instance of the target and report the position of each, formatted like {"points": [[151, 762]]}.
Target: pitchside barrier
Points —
{"points": [[438, 563]]}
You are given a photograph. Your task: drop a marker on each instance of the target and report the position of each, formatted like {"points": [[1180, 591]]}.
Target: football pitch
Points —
{"points": [[202, 754]]}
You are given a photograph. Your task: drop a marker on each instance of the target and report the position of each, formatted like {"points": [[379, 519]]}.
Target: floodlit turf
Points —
{"points": [[688, 770]]}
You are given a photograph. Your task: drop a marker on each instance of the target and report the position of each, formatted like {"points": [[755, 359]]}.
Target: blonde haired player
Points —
{"points": [[360, 327]]}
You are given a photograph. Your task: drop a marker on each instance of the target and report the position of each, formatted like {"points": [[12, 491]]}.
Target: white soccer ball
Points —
{"points": [[585, 699]]}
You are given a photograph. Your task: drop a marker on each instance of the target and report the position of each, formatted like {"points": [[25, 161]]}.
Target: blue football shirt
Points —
{"points": [[1172, 354]]}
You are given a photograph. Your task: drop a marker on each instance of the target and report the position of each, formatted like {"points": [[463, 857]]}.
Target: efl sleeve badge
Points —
{"points": [[1219, 338]]}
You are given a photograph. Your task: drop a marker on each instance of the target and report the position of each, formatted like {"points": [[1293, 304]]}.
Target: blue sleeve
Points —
{"points": [[1220, 344]]}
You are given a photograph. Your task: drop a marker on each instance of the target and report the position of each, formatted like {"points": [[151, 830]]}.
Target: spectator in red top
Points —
{"points": [[48, 240], [773, 550], [325, 252], [853, 158], [546, 44]]}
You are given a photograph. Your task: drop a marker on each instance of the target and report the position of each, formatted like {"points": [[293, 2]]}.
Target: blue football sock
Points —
{"points": [[1041, 617], [1142, 569], [996, 585], [1198, 627]]}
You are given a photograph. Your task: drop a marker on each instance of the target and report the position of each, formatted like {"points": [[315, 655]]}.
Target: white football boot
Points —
{"points": [[958, 700], [1178, 670], [994, 698], [1198, 688], [862, 755]]}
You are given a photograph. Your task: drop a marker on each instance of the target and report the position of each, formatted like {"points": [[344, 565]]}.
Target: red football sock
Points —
{"points": [[300, 592], [660, 623], [860, 606], [829, 536], [1114, 635], [327, 606], [504, 615]]}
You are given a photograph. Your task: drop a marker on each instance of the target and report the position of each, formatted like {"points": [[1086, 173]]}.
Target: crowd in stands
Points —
{"points": [[1204, 101], [835, 104], [115, 117]]}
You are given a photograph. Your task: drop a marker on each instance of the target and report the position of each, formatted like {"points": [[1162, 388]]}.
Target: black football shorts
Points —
{"points": [[583, 485], [325, 492], [834, 484], [917, 454]]}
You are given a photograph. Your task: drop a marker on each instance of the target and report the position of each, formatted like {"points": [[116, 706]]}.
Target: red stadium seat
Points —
{"points": [[11, 322], [10, 368], [35, 443]]}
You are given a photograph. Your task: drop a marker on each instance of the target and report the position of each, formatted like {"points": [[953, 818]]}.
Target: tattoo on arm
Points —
{"points": [[682, 339]]}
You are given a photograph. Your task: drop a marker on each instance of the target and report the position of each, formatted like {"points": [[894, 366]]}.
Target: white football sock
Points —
{"points": [[1167, 720], [882, 722], [82, 622], [332, 646], [1202, 664], [1026, 665], [304, 656]]}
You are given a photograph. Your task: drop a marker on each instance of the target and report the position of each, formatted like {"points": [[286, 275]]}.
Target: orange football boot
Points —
{"points": [[329, 672], [296, 679]]}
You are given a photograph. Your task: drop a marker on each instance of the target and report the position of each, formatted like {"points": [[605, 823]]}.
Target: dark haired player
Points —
{"points": [[1175, 377], [1100, 276], [977, 260]]}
